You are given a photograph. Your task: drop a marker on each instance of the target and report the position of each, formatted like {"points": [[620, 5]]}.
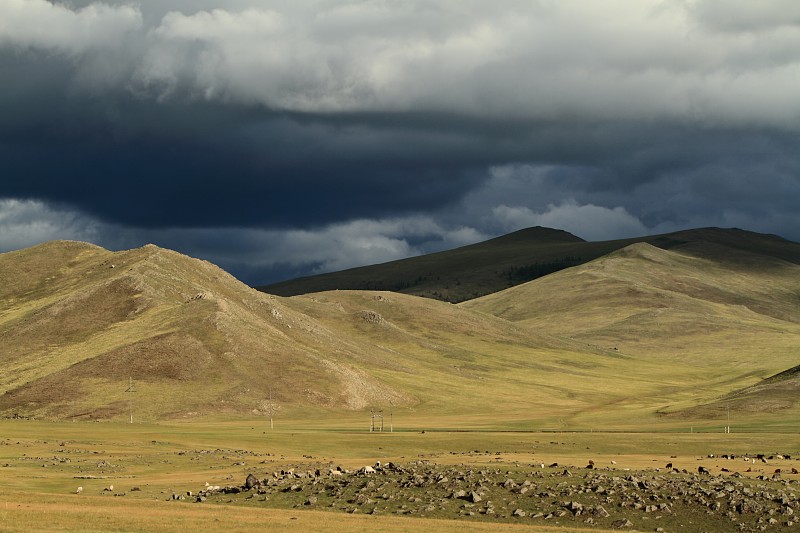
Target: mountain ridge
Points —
{"points": [[483, 268], [635, 332]]}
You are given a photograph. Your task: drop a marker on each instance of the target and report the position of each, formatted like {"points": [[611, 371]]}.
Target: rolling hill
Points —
{"points": [[611, 342], [775, 394], [491, 266], [732, 315], [77, 322]]}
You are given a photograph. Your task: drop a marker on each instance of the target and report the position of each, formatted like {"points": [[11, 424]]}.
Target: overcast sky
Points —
{"points": [[282, 138]]}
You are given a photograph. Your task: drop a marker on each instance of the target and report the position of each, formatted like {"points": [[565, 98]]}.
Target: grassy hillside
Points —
{"points": [[606, 344], [77, 322], [731, 315], [776, 394]]}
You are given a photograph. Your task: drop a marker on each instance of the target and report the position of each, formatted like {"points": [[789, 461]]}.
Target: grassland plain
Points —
{"points": [[130, 472]]}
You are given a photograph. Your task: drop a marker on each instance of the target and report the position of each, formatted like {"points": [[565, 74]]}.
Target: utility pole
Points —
{"points": [[728, 427], [372, 416], [130, 392], [271, 410]]}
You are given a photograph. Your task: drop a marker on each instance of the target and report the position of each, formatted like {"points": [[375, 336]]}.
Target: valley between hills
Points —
{"points": [[162, 374]]}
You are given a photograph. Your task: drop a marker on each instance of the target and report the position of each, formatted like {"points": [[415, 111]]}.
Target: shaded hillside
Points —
{"points": [[484, 268], [453, 275], [772, 395], [732, 314]]}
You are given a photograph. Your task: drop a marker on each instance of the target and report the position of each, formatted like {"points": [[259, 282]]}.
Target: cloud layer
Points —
{"points": [[392, 128]]}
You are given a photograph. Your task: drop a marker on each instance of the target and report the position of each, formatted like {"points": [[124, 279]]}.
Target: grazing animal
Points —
{"points": [[794, 470], [669, 465], [79, 490], [702, 470]]}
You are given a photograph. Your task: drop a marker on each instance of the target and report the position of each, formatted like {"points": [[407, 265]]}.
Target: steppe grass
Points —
{"points": [[23, 512], [43, 463]]}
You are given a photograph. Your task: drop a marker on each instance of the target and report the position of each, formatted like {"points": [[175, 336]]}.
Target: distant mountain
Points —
{"points": [[491, 266]]}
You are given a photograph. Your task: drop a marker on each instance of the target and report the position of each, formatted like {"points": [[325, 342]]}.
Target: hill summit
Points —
{"points": [[472, 271]]}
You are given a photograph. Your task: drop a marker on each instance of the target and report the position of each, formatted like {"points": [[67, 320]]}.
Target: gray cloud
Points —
{"points": [[306, 136], [28, 222]]}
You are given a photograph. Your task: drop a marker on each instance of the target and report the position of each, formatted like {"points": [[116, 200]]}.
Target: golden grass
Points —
{"points": [[162, 459], [20, 512]]}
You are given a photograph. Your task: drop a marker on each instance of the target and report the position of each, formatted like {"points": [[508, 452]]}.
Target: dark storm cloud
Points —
{"points": [[297, 136]]}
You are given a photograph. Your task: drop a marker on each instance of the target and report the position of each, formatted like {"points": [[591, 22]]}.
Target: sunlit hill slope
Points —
{"points": [[642, 335], [77, 322], [728, 315]]}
